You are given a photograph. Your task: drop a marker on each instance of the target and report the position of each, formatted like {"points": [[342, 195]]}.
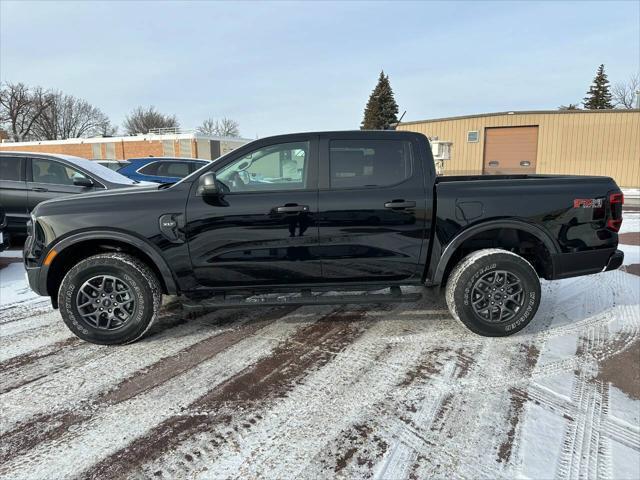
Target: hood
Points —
{"points": [[114, 193]]}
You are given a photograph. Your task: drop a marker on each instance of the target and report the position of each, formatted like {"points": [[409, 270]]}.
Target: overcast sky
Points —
{"points": [[279, 67]]}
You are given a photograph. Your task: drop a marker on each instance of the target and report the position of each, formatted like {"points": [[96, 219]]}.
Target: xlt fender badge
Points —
{"points": [[170, 227], [587, 203]]}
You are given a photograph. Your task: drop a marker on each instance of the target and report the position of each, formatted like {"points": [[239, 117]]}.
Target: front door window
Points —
{"points": [[276, 167], [55, 173]]}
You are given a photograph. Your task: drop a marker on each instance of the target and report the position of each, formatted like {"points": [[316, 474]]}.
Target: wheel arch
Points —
{"points": [[72, 249], [452, 249]]}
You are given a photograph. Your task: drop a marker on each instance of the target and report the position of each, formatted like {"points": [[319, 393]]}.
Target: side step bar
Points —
{"points": [[305, 297]]}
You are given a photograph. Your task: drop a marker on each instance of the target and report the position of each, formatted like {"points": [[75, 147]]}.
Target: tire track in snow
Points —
{"points": [[357, 377], [107, 366], [18, 311], [49, 426], [448, 420], [118, 424], [272, 376]]}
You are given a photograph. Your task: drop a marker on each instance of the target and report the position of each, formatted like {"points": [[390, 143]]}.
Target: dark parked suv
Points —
{"points": [[26, 179], [306, 213]]}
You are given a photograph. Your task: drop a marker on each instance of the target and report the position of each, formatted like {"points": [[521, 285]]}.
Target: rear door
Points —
{"points": [[13, 190], [47, 179], [372, 207]]}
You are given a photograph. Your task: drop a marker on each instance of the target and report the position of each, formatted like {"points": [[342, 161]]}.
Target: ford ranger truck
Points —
{"points": [[312, 213]]}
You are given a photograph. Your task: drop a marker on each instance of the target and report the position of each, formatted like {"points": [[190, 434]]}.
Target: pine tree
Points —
{"points": [[382, 110], [598, 97]]}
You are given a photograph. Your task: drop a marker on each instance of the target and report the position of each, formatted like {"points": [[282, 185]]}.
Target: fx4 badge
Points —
{"points": [[588, 203]]}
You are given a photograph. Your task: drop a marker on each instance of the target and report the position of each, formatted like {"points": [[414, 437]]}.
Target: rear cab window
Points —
{"points": [[369, 163]]}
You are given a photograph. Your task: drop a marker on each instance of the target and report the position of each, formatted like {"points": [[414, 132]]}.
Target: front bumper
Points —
{"points": [[36, 273], [37, 281]]}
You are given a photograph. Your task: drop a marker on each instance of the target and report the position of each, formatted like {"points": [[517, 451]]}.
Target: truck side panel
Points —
{"points": [[573, 211]]}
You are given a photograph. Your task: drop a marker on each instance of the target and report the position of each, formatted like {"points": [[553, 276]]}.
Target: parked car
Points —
{"points": [[305, 213], [114, 165], [161, 169], [26, 179], [4, 234]]}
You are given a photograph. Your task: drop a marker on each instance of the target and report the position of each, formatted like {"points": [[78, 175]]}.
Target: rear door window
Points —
{"points": [[369, 163], [12, 169], [193, 166], [150, 169], [173, 169]]}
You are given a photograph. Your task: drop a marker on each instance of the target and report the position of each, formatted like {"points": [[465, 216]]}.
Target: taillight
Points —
{"points": [[614, 224], [616, 201], [616, 198]]}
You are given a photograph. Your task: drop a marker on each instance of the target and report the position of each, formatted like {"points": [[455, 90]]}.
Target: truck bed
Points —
{"points": [[465, 178]]}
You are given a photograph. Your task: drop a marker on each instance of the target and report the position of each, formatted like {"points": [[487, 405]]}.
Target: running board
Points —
{"points": [[306, 297]]}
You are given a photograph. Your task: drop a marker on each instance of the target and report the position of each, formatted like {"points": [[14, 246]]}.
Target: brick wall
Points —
{"points": [[142, 148], [79, 150]]}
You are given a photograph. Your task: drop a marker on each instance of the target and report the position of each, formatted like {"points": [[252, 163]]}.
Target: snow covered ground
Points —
{"points": [[394, 392]]}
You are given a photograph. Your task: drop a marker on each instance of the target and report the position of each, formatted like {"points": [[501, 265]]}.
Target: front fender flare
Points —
{"points": [[140, 244], [466, 234]]}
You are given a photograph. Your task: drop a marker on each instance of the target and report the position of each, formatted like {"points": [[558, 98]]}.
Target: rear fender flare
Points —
{"points": [[458, 240]]}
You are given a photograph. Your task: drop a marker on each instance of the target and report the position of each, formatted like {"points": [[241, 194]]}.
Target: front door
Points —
{"points": [[263, 229], [373, 208], [49, 179]]}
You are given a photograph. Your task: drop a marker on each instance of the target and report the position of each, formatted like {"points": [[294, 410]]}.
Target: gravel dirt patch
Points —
{"points": [[630, 238]]}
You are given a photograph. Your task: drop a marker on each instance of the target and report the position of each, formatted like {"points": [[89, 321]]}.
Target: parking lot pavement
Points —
{"points": [[398, 391]]}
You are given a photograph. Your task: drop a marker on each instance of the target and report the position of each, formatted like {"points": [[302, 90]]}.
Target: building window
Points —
{"points": [[473, 136], [185, 148], [96, 151], [168, 148], [111, 151]]}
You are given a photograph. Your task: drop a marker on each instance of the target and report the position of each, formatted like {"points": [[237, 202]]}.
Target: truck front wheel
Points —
{"points": [[493, 292], [109, 298]]}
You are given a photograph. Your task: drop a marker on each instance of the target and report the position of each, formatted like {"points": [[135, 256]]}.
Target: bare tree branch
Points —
{"points": [[20, 108], [624, 93], [67, 116], [141, 120], [225, 127]]}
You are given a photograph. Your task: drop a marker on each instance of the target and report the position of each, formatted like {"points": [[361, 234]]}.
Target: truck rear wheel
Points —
{"points": [[493, 292], [110, 298]]}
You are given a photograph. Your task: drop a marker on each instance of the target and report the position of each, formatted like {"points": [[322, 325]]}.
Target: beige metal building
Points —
{"points": [[579, 142]]}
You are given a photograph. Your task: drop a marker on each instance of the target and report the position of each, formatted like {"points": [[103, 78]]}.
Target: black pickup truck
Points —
{"points": [[310, 213]]}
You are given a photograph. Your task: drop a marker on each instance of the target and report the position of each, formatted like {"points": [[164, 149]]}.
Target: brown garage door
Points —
{"points": [[510, 150]]}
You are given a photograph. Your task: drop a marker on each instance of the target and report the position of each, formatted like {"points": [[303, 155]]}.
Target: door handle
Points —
{"points": [[400, 204], [39, 189], [292, 208]]}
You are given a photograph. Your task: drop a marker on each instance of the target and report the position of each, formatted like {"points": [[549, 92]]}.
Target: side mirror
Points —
{"points": [[83, 182], [208, 185]]}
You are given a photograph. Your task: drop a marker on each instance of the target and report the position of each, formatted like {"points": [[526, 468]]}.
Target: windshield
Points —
{"points": [[98, 170]]}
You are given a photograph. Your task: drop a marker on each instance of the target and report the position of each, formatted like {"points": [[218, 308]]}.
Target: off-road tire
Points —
{"points": [[461, 292], [145, 289]]}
